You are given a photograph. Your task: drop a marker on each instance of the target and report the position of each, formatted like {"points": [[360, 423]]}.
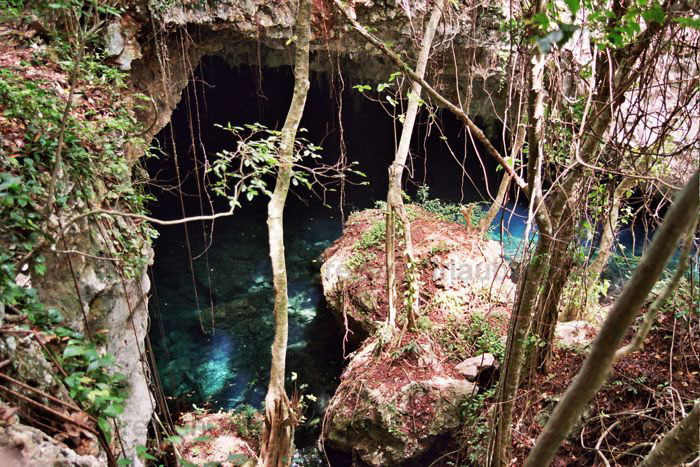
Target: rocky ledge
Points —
{"points": [[404, 393]]}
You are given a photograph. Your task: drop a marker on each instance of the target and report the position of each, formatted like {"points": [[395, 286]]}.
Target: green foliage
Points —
{"points": [[373, 237], [92, 381], [410, 348], [681, 304], [91, 155], [256, 159], [446, 211], [247, 421], [463, 338], [94, 172], [423, 323], [359, 259], [476, 431]]}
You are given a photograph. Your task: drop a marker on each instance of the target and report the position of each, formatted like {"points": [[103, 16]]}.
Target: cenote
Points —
{"points": [[212, 321]]}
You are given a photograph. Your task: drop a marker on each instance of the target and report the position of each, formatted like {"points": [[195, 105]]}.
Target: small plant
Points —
{"points": [[476, 426], [359, 259], [411, 348], [372, 238], [451, 212], [247, 421], [463, 338], [423, 323]]}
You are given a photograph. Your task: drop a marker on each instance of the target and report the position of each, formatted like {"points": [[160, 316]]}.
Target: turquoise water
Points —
{"points": [[230, 366]]}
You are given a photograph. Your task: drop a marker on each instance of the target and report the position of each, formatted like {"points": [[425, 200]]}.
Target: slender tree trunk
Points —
{"points": [[678, 444], [546, 314], [536, 270], [595, 369], [496, 206], [394, 203], [583, 294], [276, 444]]}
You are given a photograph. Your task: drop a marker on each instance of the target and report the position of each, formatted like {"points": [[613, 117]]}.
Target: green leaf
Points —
{"points": [[113, 410], [655, 14], [556, 38], [73, 350], [142, 452], [574, 6], [103, 423]]}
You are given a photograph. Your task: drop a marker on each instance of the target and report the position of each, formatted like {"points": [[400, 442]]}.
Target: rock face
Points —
{"points": [[258, 33], [575, 334], [399, 396], [110, 303], [472, 367]]}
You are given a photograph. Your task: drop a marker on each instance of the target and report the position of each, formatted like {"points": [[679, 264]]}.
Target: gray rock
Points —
{"points": [[120, 42], [29, 447], [472, 367], [575, 334], [390, 424]]}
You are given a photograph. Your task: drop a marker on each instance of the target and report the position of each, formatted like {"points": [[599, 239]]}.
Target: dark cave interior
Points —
{"points": [[219, 94]]}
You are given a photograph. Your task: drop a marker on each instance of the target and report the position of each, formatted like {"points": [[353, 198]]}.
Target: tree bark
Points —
{"points": [[496, 206], [394, 203], [277, 437], [678, 444], [593, 373], [536, 270], [583, 293]]}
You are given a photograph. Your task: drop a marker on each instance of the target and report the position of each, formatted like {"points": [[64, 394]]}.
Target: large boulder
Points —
{"points": [[387, 413], [402, 392], [460, 272]]}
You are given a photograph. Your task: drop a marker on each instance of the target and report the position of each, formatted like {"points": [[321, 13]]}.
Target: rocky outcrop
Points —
{"points": [[388, 413], [29, 447], [259, 33], [459, 271], [110, 304], [400, 395]]}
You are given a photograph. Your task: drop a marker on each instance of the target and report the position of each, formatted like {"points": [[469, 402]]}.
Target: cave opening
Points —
{"points": [[212, 306]]}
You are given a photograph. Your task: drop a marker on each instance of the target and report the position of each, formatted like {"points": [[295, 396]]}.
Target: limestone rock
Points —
{"points": [[575, 334], [472, 367], [29, 447], [394, 421], [120, 42], [110, 303]]}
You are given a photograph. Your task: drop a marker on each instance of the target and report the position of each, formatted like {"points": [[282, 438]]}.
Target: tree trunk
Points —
{"points": [[583, 294], [394, 203], [277, 437], [678, 444], [595, 369], [527, 298], [496, 206], [546, 314]]}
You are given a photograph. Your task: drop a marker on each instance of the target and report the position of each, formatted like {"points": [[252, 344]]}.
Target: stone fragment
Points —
{"points": [[472, 367]]}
